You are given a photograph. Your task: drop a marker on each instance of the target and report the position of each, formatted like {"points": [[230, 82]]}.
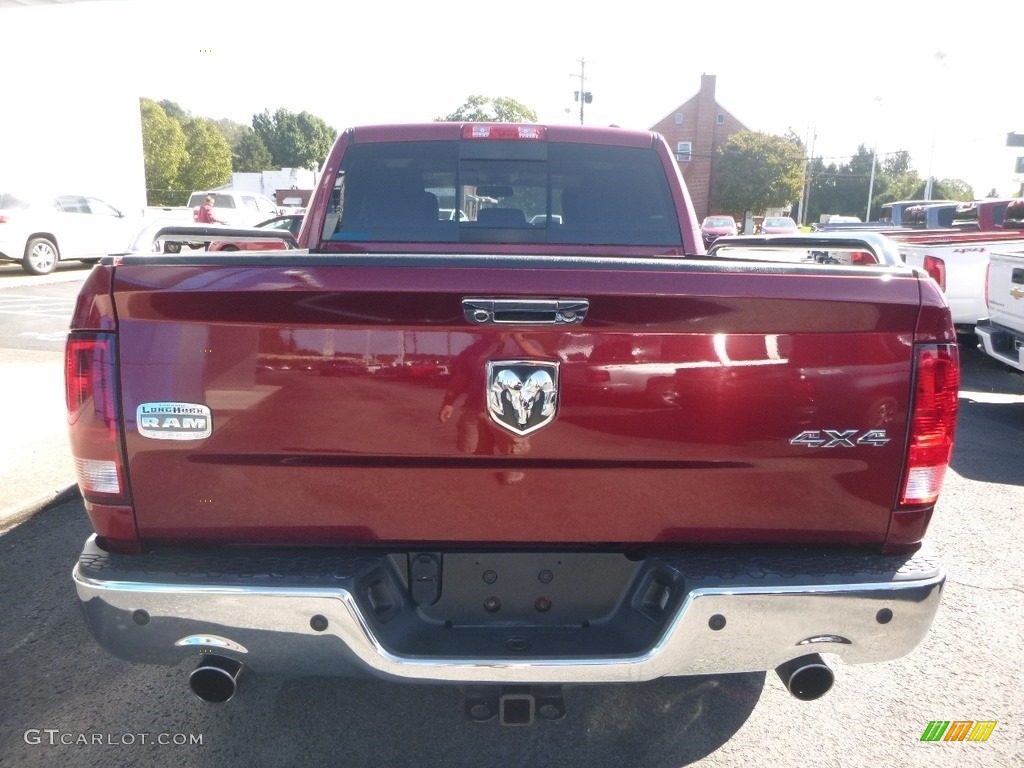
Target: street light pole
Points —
{"points": [[941, 56], [874, 162]]}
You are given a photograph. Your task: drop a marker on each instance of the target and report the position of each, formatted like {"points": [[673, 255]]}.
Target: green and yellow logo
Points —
{"points": [[958, 730]]}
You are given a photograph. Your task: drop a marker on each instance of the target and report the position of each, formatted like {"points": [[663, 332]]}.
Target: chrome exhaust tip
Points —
{"points": [[806, 678], [215, 679]]}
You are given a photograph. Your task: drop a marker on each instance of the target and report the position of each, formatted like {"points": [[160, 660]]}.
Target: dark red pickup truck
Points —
{"points": [[488, 452]]}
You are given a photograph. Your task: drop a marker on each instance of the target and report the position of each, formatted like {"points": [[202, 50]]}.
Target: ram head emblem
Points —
{"points": [[522, 396]]}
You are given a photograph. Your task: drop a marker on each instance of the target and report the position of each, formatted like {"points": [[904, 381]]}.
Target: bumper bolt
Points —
{"points": [[492, 604], [542, 604]]}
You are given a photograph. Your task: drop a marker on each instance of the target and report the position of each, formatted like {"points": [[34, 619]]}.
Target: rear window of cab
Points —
{"points": [[506, 191]]}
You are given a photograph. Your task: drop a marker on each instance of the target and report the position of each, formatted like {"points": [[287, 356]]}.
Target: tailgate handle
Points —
{"points": [[484, 311], [1017, 277]]}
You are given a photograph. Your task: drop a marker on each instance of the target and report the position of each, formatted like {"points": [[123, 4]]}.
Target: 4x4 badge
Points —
{"points": [[522, 396]]}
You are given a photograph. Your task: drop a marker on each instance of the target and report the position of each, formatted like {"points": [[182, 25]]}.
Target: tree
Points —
{"points": [[300, 140], [897, 164], [483, 109], [957, 189], [174, 110], [209, 157], [249, 154], [230, 130], [163, 150], [946, 189], [756, 171]]}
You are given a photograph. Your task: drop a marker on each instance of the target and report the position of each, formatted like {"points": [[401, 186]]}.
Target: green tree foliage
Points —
{"points": [[208, 163], [756, 171], [249, 154], [230, 130], [897, 164], [484, 109], [300, 140], [954, 189], [164, 153], [843, 188], [174, 110]]}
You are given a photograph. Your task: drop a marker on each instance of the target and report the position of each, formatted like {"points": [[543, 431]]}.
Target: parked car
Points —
{"points": [[778, 225], [714, 227], [541, 219], [40, 230], [290, 223], [448, 214]]}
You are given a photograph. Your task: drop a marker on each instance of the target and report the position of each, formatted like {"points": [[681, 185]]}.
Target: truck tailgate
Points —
{"points": [[697, 402], [1006, 289]]}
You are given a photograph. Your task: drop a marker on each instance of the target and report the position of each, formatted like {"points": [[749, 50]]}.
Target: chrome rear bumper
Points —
{"points": [[1002, 344], [712, 614]]}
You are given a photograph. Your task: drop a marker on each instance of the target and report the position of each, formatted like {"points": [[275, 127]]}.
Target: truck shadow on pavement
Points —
{"points": [[60, 688], [989, 444]]}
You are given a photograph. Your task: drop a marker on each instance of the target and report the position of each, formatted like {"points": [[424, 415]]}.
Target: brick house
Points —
{"points": [[695, 130]]}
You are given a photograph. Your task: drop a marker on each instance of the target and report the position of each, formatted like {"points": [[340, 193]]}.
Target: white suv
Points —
{"points": [[38, 231]]}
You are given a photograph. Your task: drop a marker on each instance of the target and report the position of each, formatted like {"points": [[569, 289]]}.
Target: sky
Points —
{"points": [[893, 75]]}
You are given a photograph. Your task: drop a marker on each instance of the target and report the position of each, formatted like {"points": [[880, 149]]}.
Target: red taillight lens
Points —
{"points": [[90, 393], [861, 258], [933, 420], [504, 131], [936, 269]]}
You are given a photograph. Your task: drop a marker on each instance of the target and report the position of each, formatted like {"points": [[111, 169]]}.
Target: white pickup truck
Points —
{"points": [[958, 262], [235, 208], [1002, 334]]}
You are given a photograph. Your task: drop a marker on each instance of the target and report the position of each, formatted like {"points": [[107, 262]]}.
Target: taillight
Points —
{"points": [[91, 398], [860, 258], [936, 269], [505, 131], [988, 277], [932, 423]]}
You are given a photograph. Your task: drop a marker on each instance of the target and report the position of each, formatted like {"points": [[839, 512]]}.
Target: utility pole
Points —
{"points": [[805, 192], [940, 56], [583, 96], [874, 161]]}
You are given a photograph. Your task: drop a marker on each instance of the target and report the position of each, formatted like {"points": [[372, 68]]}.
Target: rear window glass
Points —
{"points": [[966, 215], [219, 200], [1014, 216], [505, 192], [9, 202]]}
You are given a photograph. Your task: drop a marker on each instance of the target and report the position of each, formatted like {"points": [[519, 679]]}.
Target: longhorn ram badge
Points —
{"points": [[522, 396]]}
